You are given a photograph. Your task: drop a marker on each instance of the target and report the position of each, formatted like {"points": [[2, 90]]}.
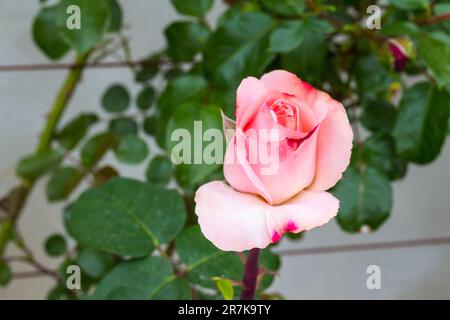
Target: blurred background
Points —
{"points": [[421, 200]]}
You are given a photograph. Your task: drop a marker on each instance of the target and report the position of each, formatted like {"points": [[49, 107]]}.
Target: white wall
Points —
{"points": [[421, 207]]}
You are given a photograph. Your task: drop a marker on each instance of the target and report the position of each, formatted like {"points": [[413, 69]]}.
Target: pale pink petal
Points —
{"points": [[286, 82], [232, 220], [334, 144], [249, 93], [235, 221]]}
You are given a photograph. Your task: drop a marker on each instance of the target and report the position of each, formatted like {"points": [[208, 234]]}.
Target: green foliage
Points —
{"points": [[145, 98], [116, 98], [159, 170], [62, 182], [5, 273], [196, 8], [126, 217], [55, 245], [96, 147], [74, 131], [46, 35], [35, 165], [123, 126], [131, 149], [185, 39], [225, 287]]}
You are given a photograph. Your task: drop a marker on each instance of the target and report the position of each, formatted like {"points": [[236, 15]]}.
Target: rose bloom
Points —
{"points": [[314, 141]]}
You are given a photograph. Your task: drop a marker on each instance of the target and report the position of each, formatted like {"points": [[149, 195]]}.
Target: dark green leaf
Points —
{"points": [[74, 131], [285, 7], [271, 263], [96, 147], [55, 245], [46, 35], [56, 293], [38, 164], [379, 152], [160, 170], [286, 37], [62, 182], [131, 149], [95, 263], [141, 279], [94, 21], [150, 124], [145, 98], [421, 125], [116, 16], [123, 126], [435, 53], [204, 261], [365, 199], [125, 217], [231, 54], [116, 98], [185, 39], [378, 115], [5, 273], [410, 4], [196, 8]]}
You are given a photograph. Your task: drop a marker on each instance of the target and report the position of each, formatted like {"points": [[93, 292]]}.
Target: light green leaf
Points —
{"points": [[225, 287], [126, 217]]}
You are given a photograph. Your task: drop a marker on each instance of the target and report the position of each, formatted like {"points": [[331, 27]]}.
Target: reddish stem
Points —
{"points": [[250, 275]]}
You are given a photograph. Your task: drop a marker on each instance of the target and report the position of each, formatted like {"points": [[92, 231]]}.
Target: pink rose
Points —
{"points": [[313, 148]]}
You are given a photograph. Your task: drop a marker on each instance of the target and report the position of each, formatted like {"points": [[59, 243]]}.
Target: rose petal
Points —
{"points": [[249, 93], [286, 82], [236, 221], [334, 144]]}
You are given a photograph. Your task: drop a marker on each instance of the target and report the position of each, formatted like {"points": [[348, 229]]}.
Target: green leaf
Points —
{"points": [[197, 8], [146, 98], [56, 293], [104, 174], [95, 263], [160, 170], [33, 166], [46, 36], [126, 217], [96, 147], [225, 287], [185, 40], [123, 126], [435, 52], [372, 79], [142, 279], [74, 131], [131, 149], [94, 22], [285, 7], [55, 245], [286, 37], [5, 273], [442, 8], [192, 173], [410, 4], [178, 91], [116, 16], [150, 124], [421, 125], [378, 115], [62, 182], [379, 152], [365, 197], [116, 98], [270, 262], [231, 54], [204, 261]]}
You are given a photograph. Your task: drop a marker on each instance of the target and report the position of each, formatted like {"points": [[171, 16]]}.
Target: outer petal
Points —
{"points": [[248, 96], [236, 221], [334, 144], [286, 82]]}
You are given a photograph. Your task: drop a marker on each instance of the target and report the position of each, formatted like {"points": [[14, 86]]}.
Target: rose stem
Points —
{"points": [[250, 275]]}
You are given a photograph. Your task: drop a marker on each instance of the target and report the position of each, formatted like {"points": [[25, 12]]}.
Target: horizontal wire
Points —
{"points": [[366, 246], [66, 66]]}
